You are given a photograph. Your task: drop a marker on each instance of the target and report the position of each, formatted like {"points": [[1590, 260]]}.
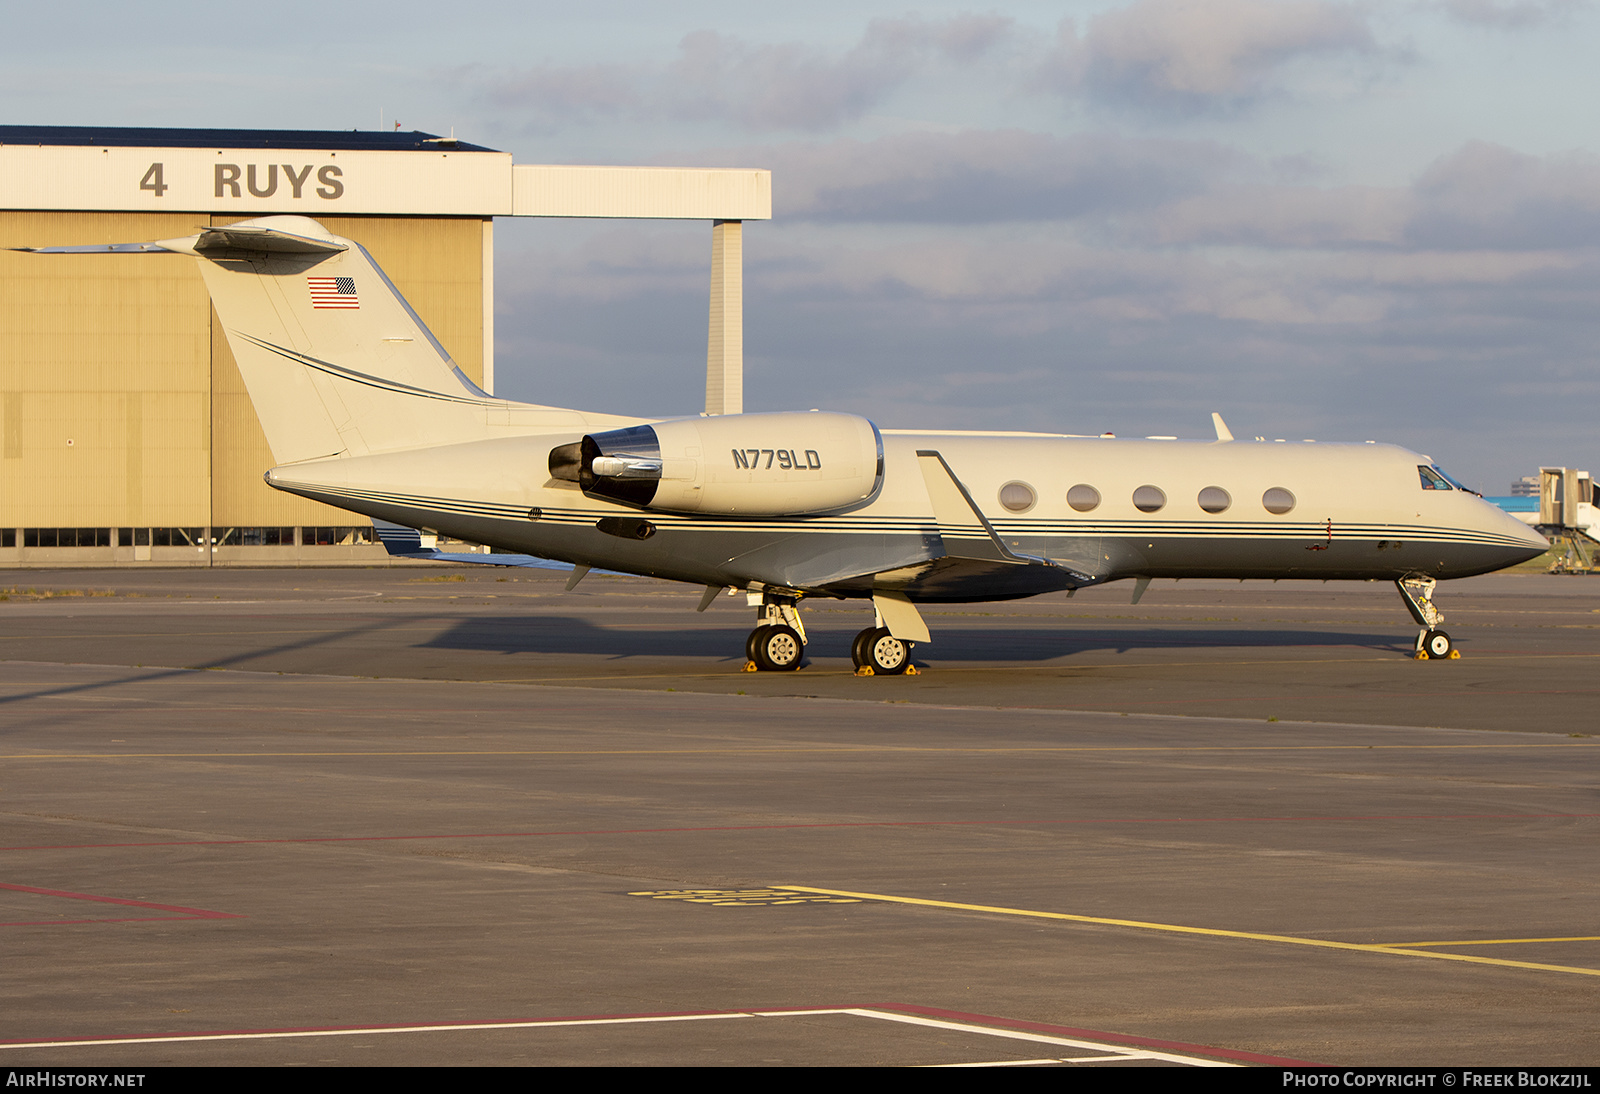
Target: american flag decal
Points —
{"points": [[333, 292]]}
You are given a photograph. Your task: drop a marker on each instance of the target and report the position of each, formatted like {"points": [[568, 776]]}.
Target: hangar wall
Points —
{"points": [[121, 408]]}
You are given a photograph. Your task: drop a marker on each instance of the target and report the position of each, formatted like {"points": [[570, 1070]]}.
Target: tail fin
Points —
{"points": [[314, 323]]}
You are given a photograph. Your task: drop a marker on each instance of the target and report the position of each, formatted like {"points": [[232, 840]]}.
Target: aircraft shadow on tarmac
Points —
{"points": [[567, 635]]}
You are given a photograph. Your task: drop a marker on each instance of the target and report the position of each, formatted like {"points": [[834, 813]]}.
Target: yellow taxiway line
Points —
{"points": [[1215, 932], [1493, 941]]}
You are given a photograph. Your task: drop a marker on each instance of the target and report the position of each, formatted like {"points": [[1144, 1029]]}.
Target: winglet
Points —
{"points": [[1221, 426], [966, 532]]}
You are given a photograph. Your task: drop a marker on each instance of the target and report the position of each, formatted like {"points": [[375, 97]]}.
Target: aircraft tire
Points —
{"points": [[888, 655], [751, 642], [858, 647], [1437, 645], [778, 649]]}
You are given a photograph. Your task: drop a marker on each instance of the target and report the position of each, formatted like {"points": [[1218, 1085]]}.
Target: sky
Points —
{"points": [[1323, 219]]}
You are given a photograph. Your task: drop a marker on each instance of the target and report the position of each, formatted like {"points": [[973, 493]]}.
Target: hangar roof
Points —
{"points": [[334, 172], [142, 137]]}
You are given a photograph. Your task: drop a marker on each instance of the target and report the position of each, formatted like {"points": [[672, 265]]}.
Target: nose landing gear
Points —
{"points": [[1433, 644]]}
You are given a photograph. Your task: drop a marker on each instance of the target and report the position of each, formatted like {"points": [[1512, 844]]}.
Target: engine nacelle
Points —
{"points": [[759, 465]]}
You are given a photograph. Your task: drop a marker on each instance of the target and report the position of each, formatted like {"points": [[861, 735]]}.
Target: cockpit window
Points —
{"points": [[1431, 479], [1453, 481], [1436, 478]]}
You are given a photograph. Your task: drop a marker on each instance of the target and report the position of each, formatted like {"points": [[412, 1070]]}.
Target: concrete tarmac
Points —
{"points": [[424, 816]]}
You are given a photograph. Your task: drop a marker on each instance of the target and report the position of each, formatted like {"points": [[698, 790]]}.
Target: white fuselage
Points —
{"points": [[1344, 511]]}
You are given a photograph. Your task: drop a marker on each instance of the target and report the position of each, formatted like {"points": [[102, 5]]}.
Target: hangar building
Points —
{"points": [[126, 434]]}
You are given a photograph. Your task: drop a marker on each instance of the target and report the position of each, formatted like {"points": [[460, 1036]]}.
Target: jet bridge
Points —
{"points": [[1569, 517]]}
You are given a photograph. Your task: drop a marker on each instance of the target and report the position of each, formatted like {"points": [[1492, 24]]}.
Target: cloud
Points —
{"points": [[1509, 14], [785, 86], [1165, 193], [1481, 197], [755, 86], [1489, 196], [981, 176], [1167, 55], [1157, 192], [1043, 279], [571, 94], [1255, 215], [1179, 54]]}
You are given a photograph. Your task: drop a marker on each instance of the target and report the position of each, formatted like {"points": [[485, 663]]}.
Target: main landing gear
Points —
{"points": [[1433, 644], [778, 644], [884, 649], [876, 652]]}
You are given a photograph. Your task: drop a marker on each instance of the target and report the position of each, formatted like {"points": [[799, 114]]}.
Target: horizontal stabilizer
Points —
{"points": [[101, 249], [403, 542], [260, 238], [256, 238]]}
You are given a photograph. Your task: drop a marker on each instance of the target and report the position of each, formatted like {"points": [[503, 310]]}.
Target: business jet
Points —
{"points": [[363, 409]]}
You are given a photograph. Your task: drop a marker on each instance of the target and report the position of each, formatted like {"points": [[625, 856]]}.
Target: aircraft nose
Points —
{"points": [[1531, 544], [1534, 539], [1505, 540]]}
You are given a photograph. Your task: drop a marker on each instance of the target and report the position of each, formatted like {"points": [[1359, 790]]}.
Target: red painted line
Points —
{"points": [[801, 827], [1095, 1035], [180, 911], [78, 922]]}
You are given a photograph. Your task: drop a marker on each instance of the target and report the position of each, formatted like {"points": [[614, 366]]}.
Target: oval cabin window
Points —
{"points": [[1148, 499], [1018, 497], [1277, 500], [1083, 497], [1214, 499]]}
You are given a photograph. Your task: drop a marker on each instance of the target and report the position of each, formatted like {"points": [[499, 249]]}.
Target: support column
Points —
{"points": [[725, 344], [488, 305]]}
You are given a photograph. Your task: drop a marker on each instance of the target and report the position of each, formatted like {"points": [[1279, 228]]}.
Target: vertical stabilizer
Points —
{"points": [[314, 323]]}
